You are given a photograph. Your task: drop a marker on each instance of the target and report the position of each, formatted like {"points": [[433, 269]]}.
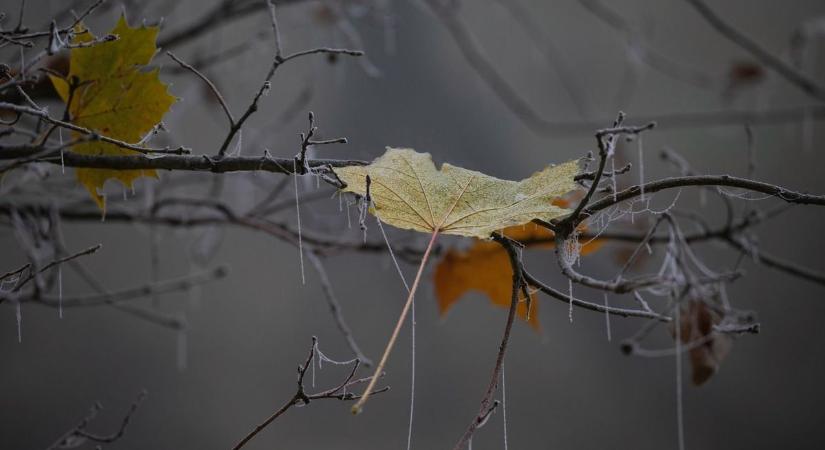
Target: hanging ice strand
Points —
{"points": [[613, 178], [412, 327], [504, 404], [298, 215], [60, 292], [679, 413], [62, 163], [641, 168], [807, 131], [19, 316], [238, 144], [182, 345], [606, 317]]}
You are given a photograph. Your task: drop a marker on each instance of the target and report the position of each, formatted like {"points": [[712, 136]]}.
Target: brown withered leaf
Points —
{"points": [[697, 321]]}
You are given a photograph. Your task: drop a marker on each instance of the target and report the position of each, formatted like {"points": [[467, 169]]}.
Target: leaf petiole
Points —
{"points": [[380, 368]]}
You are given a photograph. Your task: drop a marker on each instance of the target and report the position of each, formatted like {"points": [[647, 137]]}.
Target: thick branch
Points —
{"points": [[194, 163], [780, 192]]}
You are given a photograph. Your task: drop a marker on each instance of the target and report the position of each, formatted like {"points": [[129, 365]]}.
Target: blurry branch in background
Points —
{"points": [[553, 56], [787, 71], [114, 297], [79, 435], [647, 53], [487, 68], [301, 398], [222, 14]]}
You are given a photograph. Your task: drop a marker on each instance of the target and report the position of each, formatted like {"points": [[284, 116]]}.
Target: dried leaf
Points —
{"points": [[710, 348], [485, 267], [409, 192], [110, 94]]}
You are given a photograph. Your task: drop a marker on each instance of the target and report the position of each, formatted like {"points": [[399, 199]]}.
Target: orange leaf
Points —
{"points": [[485, 267]]}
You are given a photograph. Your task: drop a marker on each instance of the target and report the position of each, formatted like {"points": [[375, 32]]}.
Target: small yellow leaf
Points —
{"points": [[108, 92], [409, 192]]}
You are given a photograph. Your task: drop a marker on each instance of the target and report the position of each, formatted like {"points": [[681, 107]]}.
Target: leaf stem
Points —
{"points": [[356, 408]]}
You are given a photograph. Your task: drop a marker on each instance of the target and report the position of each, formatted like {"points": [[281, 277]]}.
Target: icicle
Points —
{"points": [[363, 209], [641, 169], [103, 212], [238, 144], [606, 317], [19, 315], [182, 350], [613, 178], [349, 219], [60, 291], [412, 369], [313, 362], [390, 32], [504, 404], [723, 295], [195, 294], [679, 413], [807, 131], [340, 202], [298, 215], [60, 137], [125, 197], [570, 299]]}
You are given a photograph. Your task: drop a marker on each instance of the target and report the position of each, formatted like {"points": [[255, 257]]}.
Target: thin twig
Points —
{"points": [[487, 404], [210, 84], [341, 392]]}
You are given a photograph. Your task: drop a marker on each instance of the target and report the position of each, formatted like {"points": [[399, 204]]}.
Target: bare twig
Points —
{"points": [[487, 404], [210, 84], [77, 435], [341, 392]]}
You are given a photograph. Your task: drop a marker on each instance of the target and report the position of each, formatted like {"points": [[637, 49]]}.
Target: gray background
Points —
{"points": [[567, 387]]}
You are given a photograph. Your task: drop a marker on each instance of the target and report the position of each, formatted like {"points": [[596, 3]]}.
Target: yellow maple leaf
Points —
{"points": [[485, 267], [409, 192], [109, 93]]}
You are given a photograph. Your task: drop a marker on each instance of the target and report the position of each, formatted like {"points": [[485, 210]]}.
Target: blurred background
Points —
{"points": [[425, 83]]}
